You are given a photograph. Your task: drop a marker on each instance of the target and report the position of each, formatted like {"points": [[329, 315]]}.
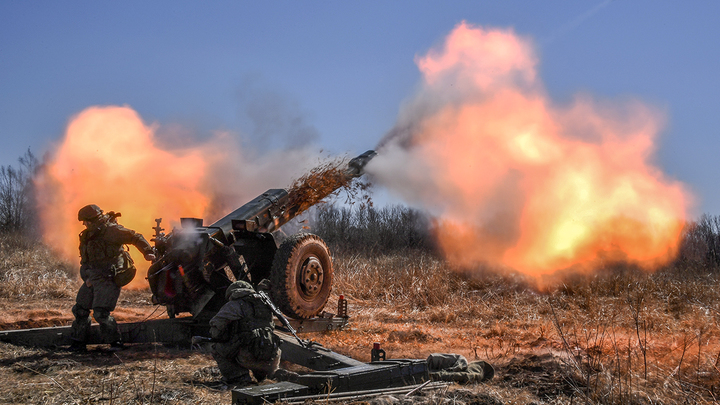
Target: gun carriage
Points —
{"points": [[197, 263]]}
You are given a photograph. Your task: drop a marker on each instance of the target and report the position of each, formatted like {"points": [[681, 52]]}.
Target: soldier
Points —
{"points": [[243, 329], [103, 264]]}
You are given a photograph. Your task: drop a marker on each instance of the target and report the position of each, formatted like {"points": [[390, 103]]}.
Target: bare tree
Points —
{"points": [[16, 195]]}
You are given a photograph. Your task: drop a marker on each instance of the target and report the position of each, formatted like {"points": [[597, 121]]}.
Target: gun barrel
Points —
{"points": [[260, 214], [356, 166], [270, 210]]}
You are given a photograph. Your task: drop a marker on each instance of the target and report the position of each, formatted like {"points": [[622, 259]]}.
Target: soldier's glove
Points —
{"points": [[150, 257]]}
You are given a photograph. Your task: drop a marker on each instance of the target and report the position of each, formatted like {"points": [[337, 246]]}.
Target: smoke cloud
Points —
{"points": [[518, 181], [274, 120]]}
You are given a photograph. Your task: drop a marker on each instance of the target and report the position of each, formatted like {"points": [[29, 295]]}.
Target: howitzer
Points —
{"points": [[197, 263]]}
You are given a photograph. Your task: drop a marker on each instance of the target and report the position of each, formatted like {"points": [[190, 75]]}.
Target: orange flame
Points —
{"points": [[519, 182]]}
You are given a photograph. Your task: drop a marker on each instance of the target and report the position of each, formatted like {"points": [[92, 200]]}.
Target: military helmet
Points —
{"points": [[89, 213], [236, 286]]}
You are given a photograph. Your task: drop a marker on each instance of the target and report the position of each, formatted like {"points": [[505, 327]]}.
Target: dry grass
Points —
{"points": [[619, 336], [30, 270], [146, 374]]}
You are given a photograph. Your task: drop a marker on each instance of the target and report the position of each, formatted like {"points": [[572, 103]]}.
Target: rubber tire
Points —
{"points": [[302, 254]]}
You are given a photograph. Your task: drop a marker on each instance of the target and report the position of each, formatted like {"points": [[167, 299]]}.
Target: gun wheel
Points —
{"points": [[302, 276]]}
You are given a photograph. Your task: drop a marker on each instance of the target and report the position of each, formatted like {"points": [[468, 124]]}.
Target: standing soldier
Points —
{"points": [[105, 266], [244, 329]]}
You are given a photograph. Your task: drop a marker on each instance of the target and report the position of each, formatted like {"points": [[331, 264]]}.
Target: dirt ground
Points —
{"points": [[147, 373]]}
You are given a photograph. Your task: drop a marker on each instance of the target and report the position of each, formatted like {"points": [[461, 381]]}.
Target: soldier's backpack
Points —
{"points": [[125, 270], [257, 332]]}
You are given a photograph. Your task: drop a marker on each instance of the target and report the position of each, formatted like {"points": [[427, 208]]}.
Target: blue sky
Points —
{"points": [[341, 70]]}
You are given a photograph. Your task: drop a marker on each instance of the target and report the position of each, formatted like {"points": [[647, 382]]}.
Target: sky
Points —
{"points": [[336, 74]]}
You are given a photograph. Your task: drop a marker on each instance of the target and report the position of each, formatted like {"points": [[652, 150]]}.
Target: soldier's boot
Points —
{"points": [[239, 382], [117, 346], [77, 346], [80, 329], [233, 374], [284, 375], [259, 375], [108, 328]]}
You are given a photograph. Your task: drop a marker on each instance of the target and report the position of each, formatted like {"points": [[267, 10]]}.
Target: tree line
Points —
{"points": [[18, 214], [369, 230]]}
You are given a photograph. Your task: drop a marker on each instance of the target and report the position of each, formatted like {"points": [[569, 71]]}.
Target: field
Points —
{"points": [[616, 336]]}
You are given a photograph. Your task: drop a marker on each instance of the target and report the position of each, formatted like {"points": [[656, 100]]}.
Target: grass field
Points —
{"points": [[617, 336]]}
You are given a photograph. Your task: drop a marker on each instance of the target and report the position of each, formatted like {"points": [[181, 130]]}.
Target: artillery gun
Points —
{"points": [[197, 263]]}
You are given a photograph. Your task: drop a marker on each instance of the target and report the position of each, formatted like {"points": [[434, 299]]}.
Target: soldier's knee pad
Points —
{"points": [[80, 313], [102, 315]]}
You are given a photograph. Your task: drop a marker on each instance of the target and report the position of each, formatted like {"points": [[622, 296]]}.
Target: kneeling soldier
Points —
{"points": [[243, 330]]}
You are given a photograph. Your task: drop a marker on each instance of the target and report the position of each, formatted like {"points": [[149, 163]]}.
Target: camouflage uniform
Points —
{"points": [[244, 330], [455, 367], [101, 254]]}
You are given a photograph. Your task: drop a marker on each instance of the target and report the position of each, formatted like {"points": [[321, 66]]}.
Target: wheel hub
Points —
{"points": [[311, 277]]}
